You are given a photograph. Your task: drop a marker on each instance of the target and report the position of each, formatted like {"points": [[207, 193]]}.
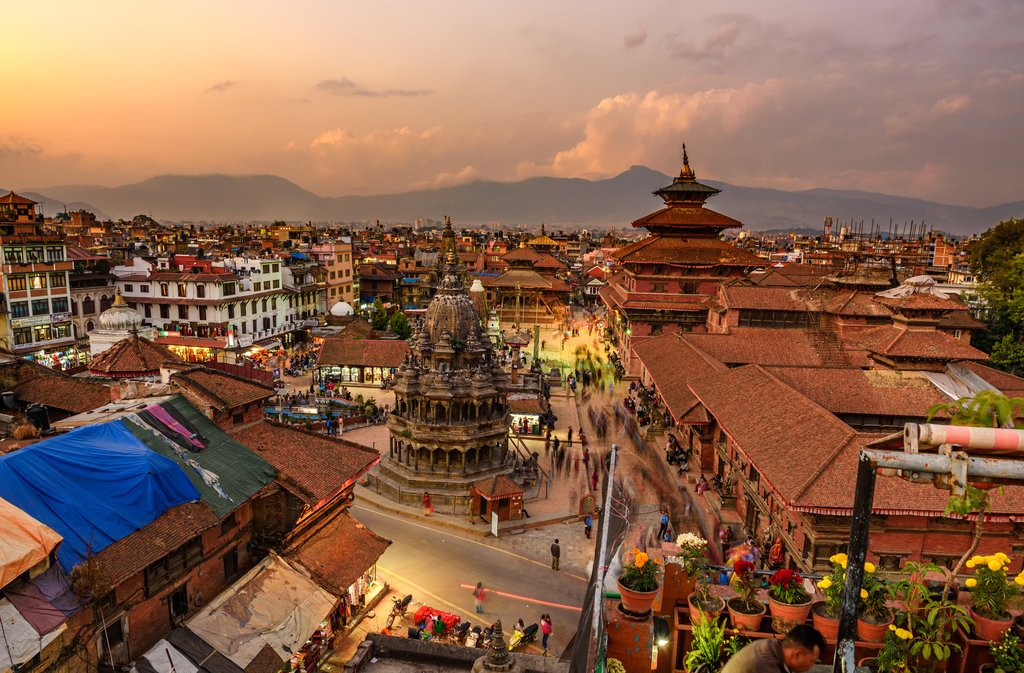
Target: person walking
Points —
{"points": [[568, 436], [428, 507], [556, 551], [545, 631], [478, 596], [664, 525], [588, 525]]}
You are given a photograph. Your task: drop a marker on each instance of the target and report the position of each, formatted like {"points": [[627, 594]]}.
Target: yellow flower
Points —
{"points": [[641, 559], [869, 567], [978, 560], [971, 583], [838, 558], [892, 627], [825, 583], [903, 634], [971, 563], [863, 593], [657, 562], [1002, 557], [994, 564], [1019, 579]]}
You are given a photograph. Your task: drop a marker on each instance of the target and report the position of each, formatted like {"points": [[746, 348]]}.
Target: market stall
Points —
{"points": [[500, 495]]}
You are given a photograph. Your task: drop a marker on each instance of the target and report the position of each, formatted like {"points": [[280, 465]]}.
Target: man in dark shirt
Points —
{"points": [[796, 653]]}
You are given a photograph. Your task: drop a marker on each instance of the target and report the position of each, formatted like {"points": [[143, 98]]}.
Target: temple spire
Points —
{"points": [[686, 172]]}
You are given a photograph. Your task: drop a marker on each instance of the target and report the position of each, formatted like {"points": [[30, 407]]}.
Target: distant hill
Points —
{"points": [[559, 202]]}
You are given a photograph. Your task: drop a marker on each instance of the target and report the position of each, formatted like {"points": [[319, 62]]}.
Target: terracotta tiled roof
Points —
{"points": [[336, 551], [856, 303], [960, 320], [364, 352], [221, 389], [134, 356], [671, 362], [63, 392], [313, 467], [615, 295], [755, 345], [527, 279], [899, 342], [525, 406], [498, 487], [685, 218], [132, 554], [766, 298], [13, 199], [683, 252], [790, 275], [856, 391], [922, 301]]}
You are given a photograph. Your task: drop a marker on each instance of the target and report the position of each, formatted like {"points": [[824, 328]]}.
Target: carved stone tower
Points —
{"points": [[449, 426]]}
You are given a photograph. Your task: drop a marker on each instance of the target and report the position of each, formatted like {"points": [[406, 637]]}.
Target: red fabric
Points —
{"points": [[449, 619]]}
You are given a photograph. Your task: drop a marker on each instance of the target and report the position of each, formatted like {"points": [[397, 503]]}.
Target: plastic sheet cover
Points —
{"points": [[24, 542], [93, 486], [45, 601], [273, 604], [19, 642]]}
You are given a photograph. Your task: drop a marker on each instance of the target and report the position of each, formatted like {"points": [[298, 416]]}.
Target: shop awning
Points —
{"points": [[24, 543], [271, 606]]}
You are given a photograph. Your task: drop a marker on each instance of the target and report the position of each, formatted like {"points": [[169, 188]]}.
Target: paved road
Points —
{"points": [[438, 567]]}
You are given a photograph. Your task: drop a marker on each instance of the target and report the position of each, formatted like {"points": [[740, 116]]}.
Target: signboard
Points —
{"points": [[494, 523], [60, 317], [244, 340], [30, 322]]}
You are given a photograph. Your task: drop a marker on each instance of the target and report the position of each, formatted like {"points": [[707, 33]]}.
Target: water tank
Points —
{"points": [[38, 416]]}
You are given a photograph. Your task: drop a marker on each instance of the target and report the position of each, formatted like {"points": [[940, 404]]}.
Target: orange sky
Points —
{"points": [[918, 98]]}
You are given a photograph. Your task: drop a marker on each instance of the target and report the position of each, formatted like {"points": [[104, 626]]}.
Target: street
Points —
{"points": [[440, 568]]}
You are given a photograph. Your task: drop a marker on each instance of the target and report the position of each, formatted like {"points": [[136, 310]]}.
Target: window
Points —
{"points": [[238, 419], [130, 289], [113, 635], [889, 561], [144, 289], [228, 289], [42, 333], [277, 283], [230, 521], [339, 259], [12, 255], [244, 305], [15, 283], [19, 309], [775, 319], [658, 287], [40, 307], [62, 331], [182, 290], [957, 333], [256, 308], [273, 304], [264, 304], [231, 311], [178, 602], [54, 254], [22, 336], [37, 281], [231, 564], [276, 267], [202, 313], [334, 275], [165, 311], [34, 254], [200, 290], [106, 302], [88, 306], [58, 280], [164, 291], [173, 566], [183, 311], [60, 304], [147, 310]]}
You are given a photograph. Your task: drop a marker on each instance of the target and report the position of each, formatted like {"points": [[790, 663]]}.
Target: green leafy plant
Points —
{"points": [[787, 587], [992, 591], [613, 665], [692, 556], [873, 605], [831, 585], [894, 657], [1007, 654], [641, 572], [745, 585], [931, 621], [705, 655], [733, 644]]}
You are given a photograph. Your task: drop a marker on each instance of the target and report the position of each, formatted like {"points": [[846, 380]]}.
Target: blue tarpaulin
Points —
{"points": [[94, 486]]}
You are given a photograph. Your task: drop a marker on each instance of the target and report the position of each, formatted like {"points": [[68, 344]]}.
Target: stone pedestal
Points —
{"points": [[630, 640]]}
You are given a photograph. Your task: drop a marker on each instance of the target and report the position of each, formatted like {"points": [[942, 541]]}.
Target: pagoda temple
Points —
{"points": [[449, 425], [663, 279]]}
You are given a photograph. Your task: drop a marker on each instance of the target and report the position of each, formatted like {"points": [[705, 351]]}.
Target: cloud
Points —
{"points": [[464, 176], [713, 47], [17, 147], [920, 118], [346, 87], [221, 86], [635, 38]]}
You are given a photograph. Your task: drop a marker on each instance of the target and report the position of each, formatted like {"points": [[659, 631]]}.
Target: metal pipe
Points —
{"points": [[939, 463], [998, 439]]}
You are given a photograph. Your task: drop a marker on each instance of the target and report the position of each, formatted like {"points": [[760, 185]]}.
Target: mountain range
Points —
{"points": [[558, 202]]}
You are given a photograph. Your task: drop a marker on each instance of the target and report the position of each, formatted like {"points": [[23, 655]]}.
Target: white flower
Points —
{"points": [[692, 541]]}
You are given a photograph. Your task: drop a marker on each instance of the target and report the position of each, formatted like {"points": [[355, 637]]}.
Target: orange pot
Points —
{"points": [[827, 626], [706, 609], [637, 602], [743, 620], [788, 615], [990, 629], [870, 632]]}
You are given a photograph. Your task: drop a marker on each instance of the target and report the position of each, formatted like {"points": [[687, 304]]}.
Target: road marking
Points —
{"points": [[464, 539], [437, 599], [526, 599]]}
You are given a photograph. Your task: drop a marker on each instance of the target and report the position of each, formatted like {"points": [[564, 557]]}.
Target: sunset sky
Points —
{"points": [[916, 97]]}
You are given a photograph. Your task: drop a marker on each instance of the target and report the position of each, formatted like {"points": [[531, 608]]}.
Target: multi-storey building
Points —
{"points": [[336, 257], [35, 285]]}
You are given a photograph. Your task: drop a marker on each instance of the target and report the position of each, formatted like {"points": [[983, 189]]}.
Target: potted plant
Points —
{"points": [[705, 655], [894, 657], [991, 593], [702, 600], [1007, 655], [745, 610], [613, 665], [929, 617], [691, 558], [825, 613], [873, 614], [789, 602], [638, 583]]}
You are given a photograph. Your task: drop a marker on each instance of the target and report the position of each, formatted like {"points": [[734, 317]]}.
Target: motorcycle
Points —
{"points": [[398, 608], [458, 634], [473, 637], [522, 638]]}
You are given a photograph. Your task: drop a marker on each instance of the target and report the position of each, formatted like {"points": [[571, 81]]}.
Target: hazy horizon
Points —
{"points": [[918, 98]]}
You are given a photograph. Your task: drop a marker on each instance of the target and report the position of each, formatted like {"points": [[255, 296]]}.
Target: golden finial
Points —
{"points": [[686, 171]]}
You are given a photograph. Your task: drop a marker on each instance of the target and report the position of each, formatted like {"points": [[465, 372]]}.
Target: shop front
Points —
{"points": [[526, 412], [194, 353], [345, 361], [351, 374], [48, 340]]}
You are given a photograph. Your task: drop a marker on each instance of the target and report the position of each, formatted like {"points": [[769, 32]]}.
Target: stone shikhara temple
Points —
{"points": [[449, 426]]}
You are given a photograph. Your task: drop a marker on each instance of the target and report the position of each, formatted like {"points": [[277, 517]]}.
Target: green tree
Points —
{"points": [[399, 324], [379, 315], [993, 254], [997, 259]]}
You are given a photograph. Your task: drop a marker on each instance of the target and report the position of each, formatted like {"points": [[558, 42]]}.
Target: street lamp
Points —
{"points": [[661, 631]]}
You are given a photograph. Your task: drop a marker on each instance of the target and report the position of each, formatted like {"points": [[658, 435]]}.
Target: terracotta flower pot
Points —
{"points": [[743, 620], [712, 608], [990, 629], [871, 632], [828, 626], [637, 602], [786, 616]]}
